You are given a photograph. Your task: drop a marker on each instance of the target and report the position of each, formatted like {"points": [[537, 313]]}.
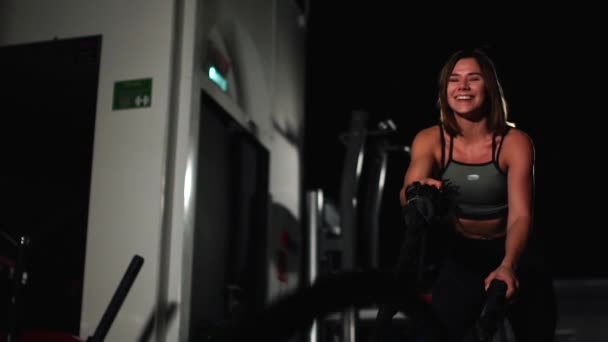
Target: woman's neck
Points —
{"points": [[473, 130]]}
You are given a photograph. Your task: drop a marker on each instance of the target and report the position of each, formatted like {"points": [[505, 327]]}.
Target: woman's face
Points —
{"points": [[466, 88]]}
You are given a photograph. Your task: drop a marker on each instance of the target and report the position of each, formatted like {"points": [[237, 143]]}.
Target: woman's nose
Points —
{"points": [[464, 85]]}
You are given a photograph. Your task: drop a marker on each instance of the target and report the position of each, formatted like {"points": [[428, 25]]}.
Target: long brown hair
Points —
{"points": [[495, 104]]}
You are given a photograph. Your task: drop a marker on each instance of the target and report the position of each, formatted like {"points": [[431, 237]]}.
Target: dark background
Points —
{"points": [[386, 61], [48, 93]]}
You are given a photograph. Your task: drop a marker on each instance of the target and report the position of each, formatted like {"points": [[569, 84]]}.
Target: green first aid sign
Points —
{"points": [[132, 94]]}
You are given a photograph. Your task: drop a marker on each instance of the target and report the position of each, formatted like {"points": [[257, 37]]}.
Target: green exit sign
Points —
{"points": [[132, 94]]}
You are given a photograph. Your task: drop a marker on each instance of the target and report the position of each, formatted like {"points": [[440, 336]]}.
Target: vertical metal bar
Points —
{"points": [[351, 174], [19, 281], [314, 210], [168, 172], [349, 186], [349, 322], [376, 197]]}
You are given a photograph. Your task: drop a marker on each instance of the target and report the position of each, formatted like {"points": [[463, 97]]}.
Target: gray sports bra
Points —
{"points": [[482, 187]]}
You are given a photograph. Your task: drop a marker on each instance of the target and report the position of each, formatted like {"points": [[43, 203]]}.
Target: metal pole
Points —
{"points": [[314, 211]]}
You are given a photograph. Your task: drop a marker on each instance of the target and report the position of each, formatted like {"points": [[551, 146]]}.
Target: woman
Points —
{"points": [[491, 164]]}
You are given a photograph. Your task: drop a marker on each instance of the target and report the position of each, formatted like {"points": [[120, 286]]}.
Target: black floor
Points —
{"points": [[583, 310]]}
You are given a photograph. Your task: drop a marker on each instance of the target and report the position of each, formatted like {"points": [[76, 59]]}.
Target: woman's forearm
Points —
{"points": [[516, 241]]}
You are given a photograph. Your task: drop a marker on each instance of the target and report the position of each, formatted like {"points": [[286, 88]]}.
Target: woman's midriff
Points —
{"points": [[482, 229]]}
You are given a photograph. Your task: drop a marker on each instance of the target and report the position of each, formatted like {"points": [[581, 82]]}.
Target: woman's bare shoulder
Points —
{"points": [[518, 142], [518, 137], [429, 134]]}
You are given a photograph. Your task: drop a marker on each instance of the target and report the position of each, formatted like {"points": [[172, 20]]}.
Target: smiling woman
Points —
{"points": [[552, 76], [491, 164]]}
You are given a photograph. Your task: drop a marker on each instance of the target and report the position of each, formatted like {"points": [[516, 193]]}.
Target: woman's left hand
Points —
{"points": [[506, 274]]}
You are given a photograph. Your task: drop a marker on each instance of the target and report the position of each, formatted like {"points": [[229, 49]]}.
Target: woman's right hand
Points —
{"points": [[426, 181], [431, 181]]}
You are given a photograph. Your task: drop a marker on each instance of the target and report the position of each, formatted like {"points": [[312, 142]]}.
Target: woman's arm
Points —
{"points": [[519, 156], [422, 161]]}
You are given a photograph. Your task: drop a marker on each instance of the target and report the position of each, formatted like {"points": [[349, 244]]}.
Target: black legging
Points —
{"points": [[458, 292]]}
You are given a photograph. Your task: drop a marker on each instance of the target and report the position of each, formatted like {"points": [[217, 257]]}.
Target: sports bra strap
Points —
{"points": [[442, 138], [494, 148], [502, 140], [451, 156]]}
